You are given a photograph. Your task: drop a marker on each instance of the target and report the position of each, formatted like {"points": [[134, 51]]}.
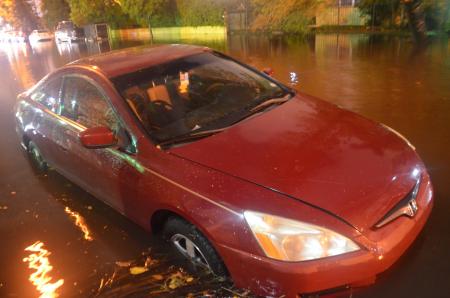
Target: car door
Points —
{"points": [[85, 105], [40, 119]]}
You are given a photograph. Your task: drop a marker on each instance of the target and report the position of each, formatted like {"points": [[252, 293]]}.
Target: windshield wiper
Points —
{"points": [[190, 137], [269, 102]]}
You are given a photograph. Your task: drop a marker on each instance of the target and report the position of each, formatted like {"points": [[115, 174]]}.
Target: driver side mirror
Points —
{"points": [[97, 137]]}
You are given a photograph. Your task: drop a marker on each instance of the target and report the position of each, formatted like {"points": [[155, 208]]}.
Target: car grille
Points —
{"points": [[406, 207]]}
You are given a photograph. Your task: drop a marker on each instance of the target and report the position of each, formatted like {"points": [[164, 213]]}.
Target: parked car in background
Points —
{"points": [[40, 35], [4, 36], [68, 31], [286, 193], [13, 36]]}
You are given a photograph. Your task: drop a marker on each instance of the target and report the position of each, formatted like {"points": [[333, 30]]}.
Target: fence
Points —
{"points": [[171, 33]]}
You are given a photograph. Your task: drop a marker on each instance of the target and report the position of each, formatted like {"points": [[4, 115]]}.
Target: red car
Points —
{"points": [[285, 193]]}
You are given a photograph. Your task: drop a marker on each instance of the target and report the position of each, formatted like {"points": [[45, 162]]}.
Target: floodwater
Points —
{"points": [[46, 221]]}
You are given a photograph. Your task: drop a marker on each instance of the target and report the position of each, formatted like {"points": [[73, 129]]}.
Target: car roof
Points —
{"points": [[120, 62]]}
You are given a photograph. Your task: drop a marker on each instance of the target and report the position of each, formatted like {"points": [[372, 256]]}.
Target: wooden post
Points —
{"points": [[339, 13], [150, 30]]}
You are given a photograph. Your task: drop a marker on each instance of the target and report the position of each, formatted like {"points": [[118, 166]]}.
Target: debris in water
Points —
{"points": [[150, 262], [177, 280]]}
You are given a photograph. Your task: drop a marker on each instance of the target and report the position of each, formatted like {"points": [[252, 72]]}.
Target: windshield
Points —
{"points": [[196, 93]]}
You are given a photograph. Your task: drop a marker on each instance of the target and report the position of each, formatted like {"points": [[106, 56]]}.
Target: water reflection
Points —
{"points": [[383, 77], [41, 279], [333, 63], [18, 55], [79, 222]]}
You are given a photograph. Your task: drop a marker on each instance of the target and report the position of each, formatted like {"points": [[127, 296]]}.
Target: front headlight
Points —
{"points": [[290, 240]]}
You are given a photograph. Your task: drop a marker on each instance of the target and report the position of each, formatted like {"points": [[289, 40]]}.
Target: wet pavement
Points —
{"points": [[92, 248]]}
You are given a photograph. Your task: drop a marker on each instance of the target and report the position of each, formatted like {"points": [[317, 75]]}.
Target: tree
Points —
{"points": [[416, 19], [19, 14], [436, 13], [83, 12], [381, 12], [156, 12], [54, 11], [200, 12], [292, 16]]}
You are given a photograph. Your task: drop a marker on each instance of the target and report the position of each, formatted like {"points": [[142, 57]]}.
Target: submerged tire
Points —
{"points": [[36, 157], [191, 243]]}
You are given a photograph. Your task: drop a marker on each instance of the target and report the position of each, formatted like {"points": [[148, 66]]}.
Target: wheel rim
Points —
{"points": [[37, 156], [188, 248]]}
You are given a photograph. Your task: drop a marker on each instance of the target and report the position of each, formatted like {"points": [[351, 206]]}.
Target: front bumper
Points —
{"points": [[268, 277]]}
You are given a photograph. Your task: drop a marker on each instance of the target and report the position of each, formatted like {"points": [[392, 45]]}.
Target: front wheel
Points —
{"points": [[191, 243], [37, 158]]}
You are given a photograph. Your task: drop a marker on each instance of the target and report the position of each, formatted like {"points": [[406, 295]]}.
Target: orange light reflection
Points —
{"points": [[38, 260], [79, 222]]}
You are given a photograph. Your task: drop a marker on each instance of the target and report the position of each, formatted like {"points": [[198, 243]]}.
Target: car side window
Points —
{"points": [[83, 103], [49, 95]]}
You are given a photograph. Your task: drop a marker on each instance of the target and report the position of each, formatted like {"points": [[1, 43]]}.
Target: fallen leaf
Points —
{"points": [[177, 280], [157, 277], [138, 270], [149, 262]]}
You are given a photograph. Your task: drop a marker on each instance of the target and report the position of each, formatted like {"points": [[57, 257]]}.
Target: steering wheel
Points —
{"points": [[214, 87], [163, 104]]}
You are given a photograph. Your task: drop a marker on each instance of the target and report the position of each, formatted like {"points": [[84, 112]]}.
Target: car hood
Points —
{"points": [[318, 153]]}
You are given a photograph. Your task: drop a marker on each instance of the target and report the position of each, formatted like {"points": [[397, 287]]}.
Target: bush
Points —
{"points": [[200, 12]]}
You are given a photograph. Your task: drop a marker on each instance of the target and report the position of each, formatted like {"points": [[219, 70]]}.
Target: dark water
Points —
{"points": [[385, 78]]}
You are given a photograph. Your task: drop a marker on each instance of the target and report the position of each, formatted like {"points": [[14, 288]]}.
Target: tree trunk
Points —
{"points": [[416, 19], [445, 16]]}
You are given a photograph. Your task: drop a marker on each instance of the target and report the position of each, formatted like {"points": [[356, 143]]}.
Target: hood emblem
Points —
{"points": [[406, 207], [411, 208]]}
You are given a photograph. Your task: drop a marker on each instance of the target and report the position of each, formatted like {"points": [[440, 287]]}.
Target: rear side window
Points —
{"points": [[84, 103], [49, 95]]}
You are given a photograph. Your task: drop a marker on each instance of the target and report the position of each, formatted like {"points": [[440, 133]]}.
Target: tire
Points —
{"points": [[178, 232], [36, 158]]}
